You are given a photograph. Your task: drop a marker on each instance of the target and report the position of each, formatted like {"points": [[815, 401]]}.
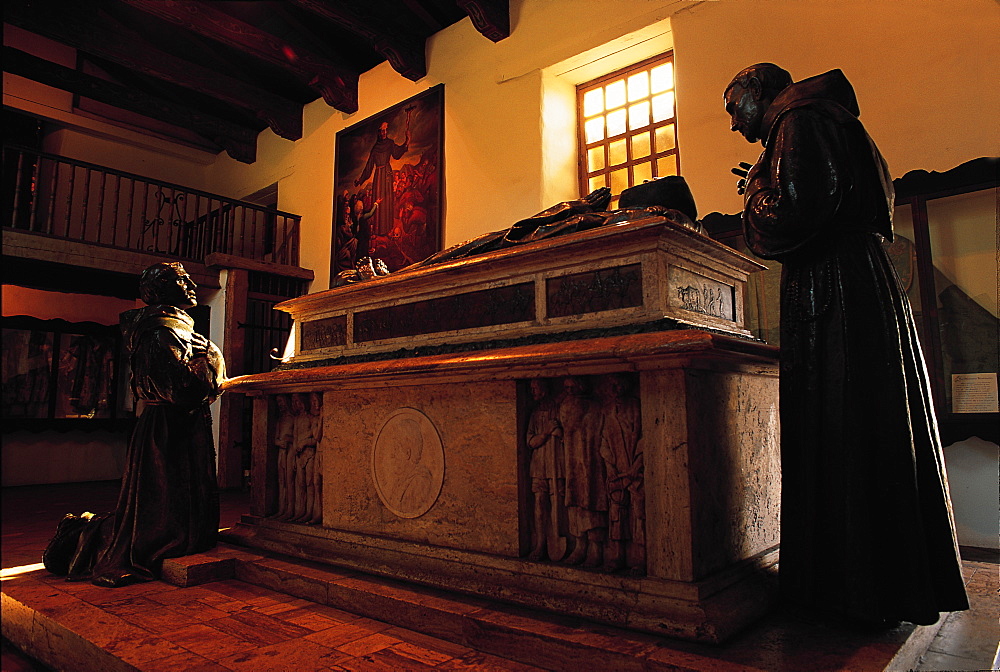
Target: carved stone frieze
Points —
{"points": [[584, 437], [298, 428]]}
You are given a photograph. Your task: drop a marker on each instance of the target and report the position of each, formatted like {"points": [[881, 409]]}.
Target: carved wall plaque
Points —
{"points": [[408, 463], [325, 333], [594, 291]]}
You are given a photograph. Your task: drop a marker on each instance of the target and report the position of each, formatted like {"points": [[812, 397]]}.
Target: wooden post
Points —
{"points": [[264, 492], [231, 439]]}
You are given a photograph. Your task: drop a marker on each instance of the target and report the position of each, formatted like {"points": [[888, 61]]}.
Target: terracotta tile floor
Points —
{"points": [[229, 626]]}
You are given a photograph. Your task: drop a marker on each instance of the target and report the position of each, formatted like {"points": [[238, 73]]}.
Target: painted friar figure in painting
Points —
{"points": [[866, 522], [586, 468], [169, 501]]}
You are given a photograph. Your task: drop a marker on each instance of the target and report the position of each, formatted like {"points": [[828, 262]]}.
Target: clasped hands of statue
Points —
{"points": [[742, 171]]}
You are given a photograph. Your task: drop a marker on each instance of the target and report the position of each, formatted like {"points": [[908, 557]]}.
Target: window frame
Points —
{"points": [[653, 157]]}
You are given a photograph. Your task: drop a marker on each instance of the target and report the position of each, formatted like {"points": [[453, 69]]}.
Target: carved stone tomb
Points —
{"points": [[581, 425]]}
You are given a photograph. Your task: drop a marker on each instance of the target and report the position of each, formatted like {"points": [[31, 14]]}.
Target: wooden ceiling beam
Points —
{"points": [[240, 142], [98, 34], [490, 17], [337, 83], [403, 48]]}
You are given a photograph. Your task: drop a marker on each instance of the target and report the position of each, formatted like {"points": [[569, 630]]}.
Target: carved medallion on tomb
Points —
{"points": [[407, 463]]}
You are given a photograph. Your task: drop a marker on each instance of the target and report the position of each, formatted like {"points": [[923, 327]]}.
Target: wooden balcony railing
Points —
{"points": [[74, 200]]}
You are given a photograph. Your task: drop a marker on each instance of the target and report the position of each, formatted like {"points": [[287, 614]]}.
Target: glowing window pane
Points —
{"points": [[666, 165], [640, 145], [638, 115], [663, 77], [595, 159], [597, 182], [594, 129], [638, 86], [665, 138], [642, 172], [593, 102], [663, 106], [616, 122], [617, 153], [619, 181], [614, 94]]}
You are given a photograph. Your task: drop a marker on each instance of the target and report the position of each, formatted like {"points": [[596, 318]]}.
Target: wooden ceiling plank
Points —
{"points": [[490, 17], [403, 48], [90, 34], [239, 141], [337, 83]]}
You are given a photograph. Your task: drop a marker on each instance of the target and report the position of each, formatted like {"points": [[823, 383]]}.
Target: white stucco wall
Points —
{"points": [[925, 77], [925, 80]]}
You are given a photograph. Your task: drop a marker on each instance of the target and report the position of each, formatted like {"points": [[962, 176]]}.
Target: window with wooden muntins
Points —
{"points": [[627, 126]]}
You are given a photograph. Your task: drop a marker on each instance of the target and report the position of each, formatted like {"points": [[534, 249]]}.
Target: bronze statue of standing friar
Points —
{"points": [[168, 505], [867, 530]]}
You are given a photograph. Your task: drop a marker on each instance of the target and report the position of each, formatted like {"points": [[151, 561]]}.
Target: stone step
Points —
{"points": [[546, 640], [543, 640]]}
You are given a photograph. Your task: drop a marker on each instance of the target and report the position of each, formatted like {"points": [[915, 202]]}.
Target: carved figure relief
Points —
{"points": [[698, 294], [586, 469], [408, 463], [298, 430], [284, 437], [548, 481], [622, 452]]}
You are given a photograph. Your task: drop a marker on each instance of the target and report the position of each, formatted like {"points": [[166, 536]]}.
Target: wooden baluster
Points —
{"points": [[69, 199], [36, 192], [114, 220], [17, 187], [100, 207], [50, 219], [128, 216]]}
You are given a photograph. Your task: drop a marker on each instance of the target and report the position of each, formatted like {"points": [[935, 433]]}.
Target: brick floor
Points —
{"points": [[234, 626]]}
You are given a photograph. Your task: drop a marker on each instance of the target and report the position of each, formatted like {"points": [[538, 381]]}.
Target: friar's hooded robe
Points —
{"points": [[866, 526], [168, 505]]}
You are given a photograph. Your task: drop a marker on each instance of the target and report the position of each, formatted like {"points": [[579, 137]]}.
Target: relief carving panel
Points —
{"points": [[298, 429], [699, 294], [584, 435], [407, 463]]}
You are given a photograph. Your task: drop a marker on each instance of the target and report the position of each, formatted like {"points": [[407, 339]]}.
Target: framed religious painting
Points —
{"points": [[388, 185]]}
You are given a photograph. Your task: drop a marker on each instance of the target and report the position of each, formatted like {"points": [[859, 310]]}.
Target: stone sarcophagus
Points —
{"points": [[581, 425]]}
